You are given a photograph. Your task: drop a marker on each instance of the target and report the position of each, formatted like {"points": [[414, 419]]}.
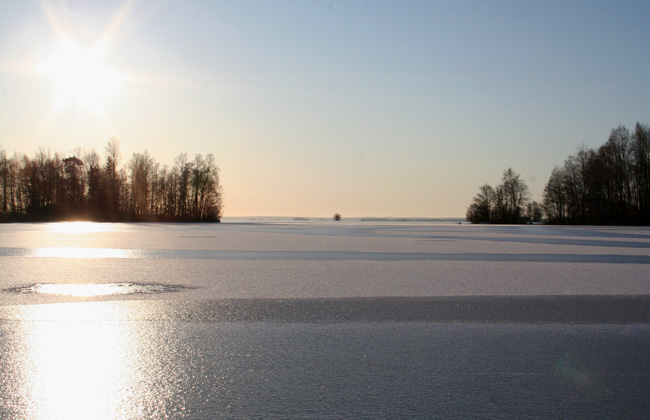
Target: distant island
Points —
{"points": [[83, 186], [610, 185]]}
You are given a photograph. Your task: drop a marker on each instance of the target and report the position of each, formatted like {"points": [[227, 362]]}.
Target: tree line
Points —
{"points": [[84, 186], [509, 202], [607, 185]]}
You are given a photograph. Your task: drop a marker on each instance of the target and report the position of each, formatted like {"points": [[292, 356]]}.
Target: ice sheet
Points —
{"points": [[321, 259]]}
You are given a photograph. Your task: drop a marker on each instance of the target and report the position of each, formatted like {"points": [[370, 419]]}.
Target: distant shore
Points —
{"points": [[445, 220]]}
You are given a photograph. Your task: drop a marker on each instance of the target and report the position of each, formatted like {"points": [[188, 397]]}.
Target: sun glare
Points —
{"points": [[79, 290], [78, 370], [80, 76], [77, 227], [81, 253]]}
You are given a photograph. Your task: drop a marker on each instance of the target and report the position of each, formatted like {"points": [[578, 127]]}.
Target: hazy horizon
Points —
{"points": [[344, 217], [311, 108]]}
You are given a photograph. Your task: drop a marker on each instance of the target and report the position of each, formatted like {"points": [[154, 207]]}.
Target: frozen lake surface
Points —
{"points": [[320, 259], [317, 319]]}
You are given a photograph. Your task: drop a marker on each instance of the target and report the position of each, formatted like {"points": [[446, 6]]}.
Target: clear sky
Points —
{"points": [[366, 108]]}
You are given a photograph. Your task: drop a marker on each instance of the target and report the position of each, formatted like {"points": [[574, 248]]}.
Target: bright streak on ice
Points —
{"points": [[78, 369], [78, 227], [78, 252], [81, 289], [90, 289]]}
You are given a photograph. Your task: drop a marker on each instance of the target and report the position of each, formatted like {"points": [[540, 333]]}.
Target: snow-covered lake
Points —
{"points": [[327, 259], [319, 319]]}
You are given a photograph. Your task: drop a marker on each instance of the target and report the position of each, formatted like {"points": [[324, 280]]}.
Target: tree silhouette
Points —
{"points": [[503, 204], [48, 187]]}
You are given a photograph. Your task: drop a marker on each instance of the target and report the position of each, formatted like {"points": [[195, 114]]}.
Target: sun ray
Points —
{"points": [[80, 75]]}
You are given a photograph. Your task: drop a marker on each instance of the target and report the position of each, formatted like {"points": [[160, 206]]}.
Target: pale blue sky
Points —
{"points": [[367, 108]]}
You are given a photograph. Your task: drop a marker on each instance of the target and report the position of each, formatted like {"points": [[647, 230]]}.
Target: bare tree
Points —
{"points": [[534, 212], [515, 196], [481, 209], [4, 174], [75, 185], [554, 197], [640, 149], [112, 179], [48, 186], [503, 204]]}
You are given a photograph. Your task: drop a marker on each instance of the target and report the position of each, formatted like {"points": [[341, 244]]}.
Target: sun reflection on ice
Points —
{"points": [[80, 361], [79, 252], [93, 290], [78, 369], [78, 227], [85, 290]]}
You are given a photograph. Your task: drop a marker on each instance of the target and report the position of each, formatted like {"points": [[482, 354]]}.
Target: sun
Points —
{"points": [[80, 76]]}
